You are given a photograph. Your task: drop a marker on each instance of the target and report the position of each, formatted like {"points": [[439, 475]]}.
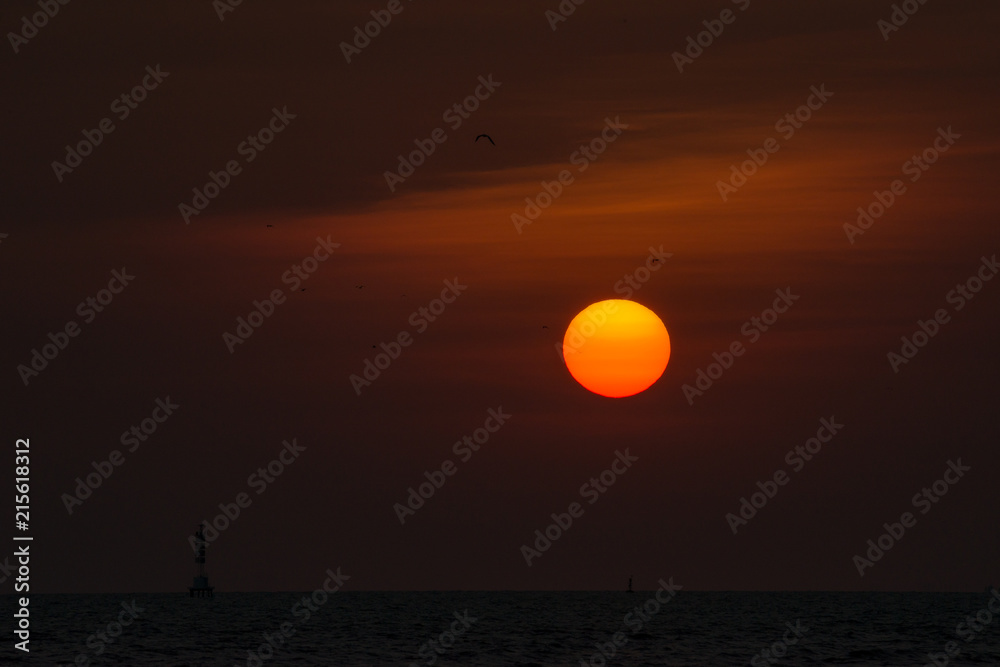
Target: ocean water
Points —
{"points": [[511, 628]]}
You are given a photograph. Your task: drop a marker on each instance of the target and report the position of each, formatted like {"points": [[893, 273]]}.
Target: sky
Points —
{"points": [[309, 124]]}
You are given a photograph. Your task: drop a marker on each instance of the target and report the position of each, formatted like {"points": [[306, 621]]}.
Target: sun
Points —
{"points": [[616, 348]]}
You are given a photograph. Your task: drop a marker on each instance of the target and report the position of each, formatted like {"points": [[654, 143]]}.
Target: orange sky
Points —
{"points": [[654, 186]]}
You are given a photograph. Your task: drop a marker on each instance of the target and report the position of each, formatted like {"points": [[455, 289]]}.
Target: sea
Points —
{"points": [[679, 628]]}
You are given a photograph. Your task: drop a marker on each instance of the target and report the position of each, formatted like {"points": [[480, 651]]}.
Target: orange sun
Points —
{"points": [[616, 348]]}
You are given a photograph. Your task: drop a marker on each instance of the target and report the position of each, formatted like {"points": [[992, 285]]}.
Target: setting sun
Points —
{"points": [[616, 348]]}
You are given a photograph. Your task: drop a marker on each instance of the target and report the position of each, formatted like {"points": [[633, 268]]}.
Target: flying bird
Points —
{"points": [[270, 225], [487, 136]]}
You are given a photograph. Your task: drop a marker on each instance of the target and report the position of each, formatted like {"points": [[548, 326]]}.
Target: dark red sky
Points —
{"points": [[656, 185]]}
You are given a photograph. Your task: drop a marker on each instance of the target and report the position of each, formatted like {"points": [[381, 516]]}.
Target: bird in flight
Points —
{"points": [[487, 136]]}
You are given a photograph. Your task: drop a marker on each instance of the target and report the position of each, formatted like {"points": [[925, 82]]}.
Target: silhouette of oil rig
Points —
{"points": [[201, 588]]}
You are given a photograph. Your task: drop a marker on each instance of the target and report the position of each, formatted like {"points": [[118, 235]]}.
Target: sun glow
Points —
{"points": [[616, 348]]}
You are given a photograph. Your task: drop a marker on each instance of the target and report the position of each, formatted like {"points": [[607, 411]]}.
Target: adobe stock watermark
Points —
{"points": [[259, 480], [697, 44], [420, 319], [6, 569], [249, 149], [562, 12], [464, 449], [301, 611], [915, 167], [578, 334], [59, 341], [635, 620], [293, 277], [968, 630], [797, 459], [753, 329], [430, 650], [630, 283], [132, 438], [923, 500], [901, 13], [958, 297], [786, 126], [37, 21], [372, 29], [454, 115], [581, 158], [592, 490], [98, 641], [223, 7], [973, 626], [23, 585], [774, 653], [122, 106], [633, 282]]}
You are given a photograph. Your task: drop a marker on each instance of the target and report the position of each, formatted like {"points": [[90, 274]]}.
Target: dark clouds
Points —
{"points": [[655, 186]]}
